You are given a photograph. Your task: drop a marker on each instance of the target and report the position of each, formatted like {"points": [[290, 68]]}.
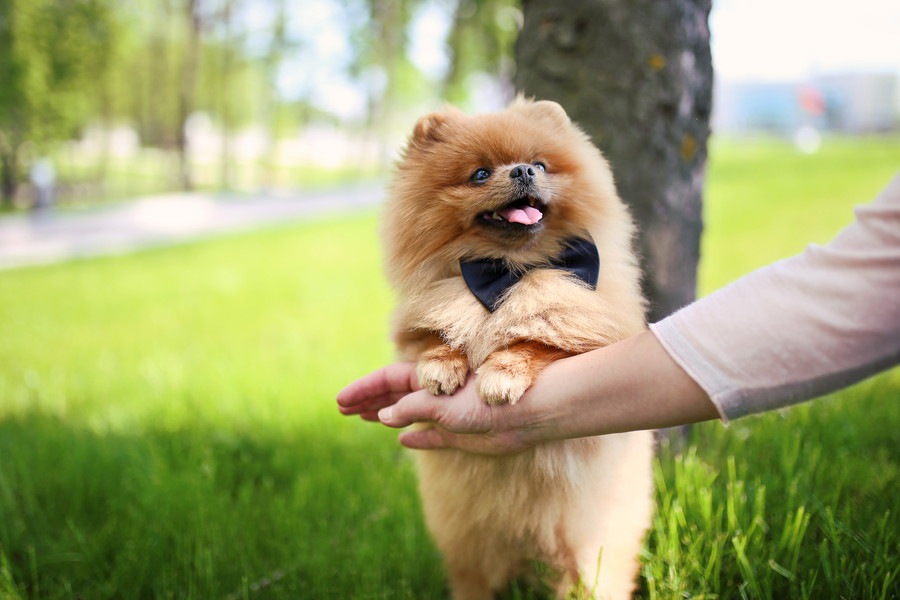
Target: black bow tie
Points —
{"points": [[489, 279]]}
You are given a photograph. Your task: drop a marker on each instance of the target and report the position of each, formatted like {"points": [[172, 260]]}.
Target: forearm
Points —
{"points": [[631, 385], [801, 327]]}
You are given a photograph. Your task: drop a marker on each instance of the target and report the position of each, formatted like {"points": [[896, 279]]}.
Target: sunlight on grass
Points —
{"points": [[156, 336], [168, 427], [766, 201]]}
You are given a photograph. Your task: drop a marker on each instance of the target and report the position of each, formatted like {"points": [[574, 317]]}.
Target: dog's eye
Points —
{"points": [[480, 175], [541, 166]]}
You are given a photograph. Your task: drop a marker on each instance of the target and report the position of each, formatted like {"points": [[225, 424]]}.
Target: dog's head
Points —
{"points": [[514, 185]]}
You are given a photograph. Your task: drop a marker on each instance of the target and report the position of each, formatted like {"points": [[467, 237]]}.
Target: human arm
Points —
{"points": [[801, 327], [630, 385]]}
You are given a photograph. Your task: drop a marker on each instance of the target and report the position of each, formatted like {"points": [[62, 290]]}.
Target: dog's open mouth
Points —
{"points": [[522, 214]]}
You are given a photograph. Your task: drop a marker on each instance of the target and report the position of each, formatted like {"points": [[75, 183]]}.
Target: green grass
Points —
{"points": [[765, 201], [168, 427]]}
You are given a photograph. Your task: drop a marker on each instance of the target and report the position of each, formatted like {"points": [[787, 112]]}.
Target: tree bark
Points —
{"points": [[636, 75], [279, 46], [389, 21], [187, 91], [226, 177], [8, 181]]}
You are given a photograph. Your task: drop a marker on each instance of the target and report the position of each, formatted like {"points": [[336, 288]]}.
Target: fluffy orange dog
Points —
{"points": [[491, 230]]}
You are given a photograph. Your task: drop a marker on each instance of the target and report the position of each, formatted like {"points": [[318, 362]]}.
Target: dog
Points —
{"points": [[508, 248]]}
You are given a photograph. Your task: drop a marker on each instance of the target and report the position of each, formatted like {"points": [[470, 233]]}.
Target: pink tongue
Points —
{"points": [[526, 216]]}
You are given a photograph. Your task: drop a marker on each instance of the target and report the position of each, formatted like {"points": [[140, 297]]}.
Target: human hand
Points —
{"points": [[384, 387], [630, 385], [463, 421]]}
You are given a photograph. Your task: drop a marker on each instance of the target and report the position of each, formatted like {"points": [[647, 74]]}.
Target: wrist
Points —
{"points": [[631, 385], [557, 406]]}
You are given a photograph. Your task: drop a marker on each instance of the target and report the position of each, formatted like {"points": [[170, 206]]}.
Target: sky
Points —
{"points": [[789, 40], [752, 40]]}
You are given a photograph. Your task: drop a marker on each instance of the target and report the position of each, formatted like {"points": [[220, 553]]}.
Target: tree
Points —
{"points": [[382, 59], [637, 76], [480, 39], [52, 54], [188, 89]]}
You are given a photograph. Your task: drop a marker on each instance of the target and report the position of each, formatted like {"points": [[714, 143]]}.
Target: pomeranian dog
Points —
{"points": [[509, 248]]}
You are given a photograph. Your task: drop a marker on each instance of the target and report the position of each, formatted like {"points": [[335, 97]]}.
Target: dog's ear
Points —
{"points": [[551, 110], [543, 109], [433, 127]]}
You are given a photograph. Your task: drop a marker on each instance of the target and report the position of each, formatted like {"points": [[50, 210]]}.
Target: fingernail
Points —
{"points": [[385, 414]]}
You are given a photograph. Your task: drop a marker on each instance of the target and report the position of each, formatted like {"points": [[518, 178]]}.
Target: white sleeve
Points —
{"points": [[801, 327]]}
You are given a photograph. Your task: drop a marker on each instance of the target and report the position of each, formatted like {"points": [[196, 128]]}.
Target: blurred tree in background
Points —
{"points": [[53, 55], [188, 79], [483, 31]]}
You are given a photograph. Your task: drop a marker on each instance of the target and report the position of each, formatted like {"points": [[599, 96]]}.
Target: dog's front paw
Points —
{"points": [[503, 378], [442, 370]]}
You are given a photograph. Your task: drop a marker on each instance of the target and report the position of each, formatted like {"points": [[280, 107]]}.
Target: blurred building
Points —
{"points": [[851, 104]]}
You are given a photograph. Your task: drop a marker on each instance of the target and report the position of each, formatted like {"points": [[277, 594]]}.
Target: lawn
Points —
{"points": [[168, 426]]}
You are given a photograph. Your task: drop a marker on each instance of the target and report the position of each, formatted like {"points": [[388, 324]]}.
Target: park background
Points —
{"points": [[167, 418]]}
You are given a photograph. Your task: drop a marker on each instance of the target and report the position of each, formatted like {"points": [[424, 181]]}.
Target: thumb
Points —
{"points": [[412, 408]]}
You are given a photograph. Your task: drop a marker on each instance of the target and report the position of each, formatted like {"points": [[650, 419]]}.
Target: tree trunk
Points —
{"points": [[187, 91], [389, 20], [9, 168], [637, 76], [225, 175], [279, 46], [8, 182]]}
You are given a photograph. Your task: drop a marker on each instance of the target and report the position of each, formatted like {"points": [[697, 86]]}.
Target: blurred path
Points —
{"points": [[160, 220]]}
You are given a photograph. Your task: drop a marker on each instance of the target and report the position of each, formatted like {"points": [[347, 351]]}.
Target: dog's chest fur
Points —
{"points": [[547, 306]]}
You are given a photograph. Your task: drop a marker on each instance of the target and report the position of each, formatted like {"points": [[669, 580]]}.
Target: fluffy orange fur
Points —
{"points": [[581, 506]]}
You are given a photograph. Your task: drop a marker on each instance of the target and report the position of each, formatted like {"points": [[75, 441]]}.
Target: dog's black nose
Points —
{"points": [[523, 172]]}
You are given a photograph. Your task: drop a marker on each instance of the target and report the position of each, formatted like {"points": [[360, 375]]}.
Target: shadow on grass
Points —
{"points": [[208, 514], [798, 504]]}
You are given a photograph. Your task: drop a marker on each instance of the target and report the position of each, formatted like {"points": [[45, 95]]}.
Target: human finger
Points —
{"points": [[378, 389], [370, 405], [438, 438], [412, 408], [426, 439], [371, 415]]}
